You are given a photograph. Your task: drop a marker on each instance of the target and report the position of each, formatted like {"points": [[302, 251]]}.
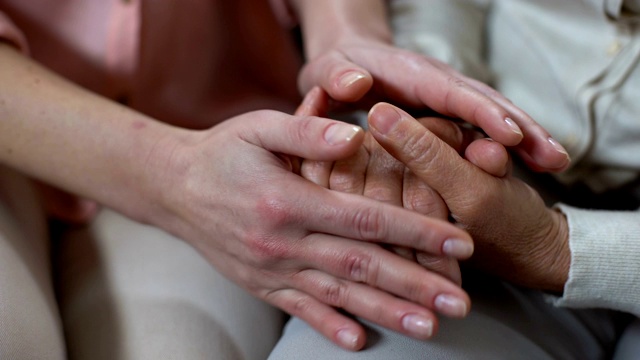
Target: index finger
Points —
{"points": [[421, 151], [357, 217]]}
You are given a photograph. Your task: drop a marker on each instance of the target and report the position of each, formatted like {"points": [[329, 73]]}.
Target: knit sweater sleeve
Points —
{"points": [[605, 260]]}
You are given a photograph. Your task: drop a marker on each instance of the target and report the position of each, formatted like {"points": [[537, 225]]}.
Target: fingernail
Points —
{"points": [[383, 117], [348, 338], [338, 134], [556, 145], [514, 127], [351, 78], [418, 325], [451, 306], [457, 248]]}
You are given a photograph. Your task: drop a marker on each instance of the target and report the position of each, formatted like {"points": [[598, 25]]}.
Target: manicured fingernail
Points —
{"points": [[351, 78], [457, 248], [559, 148], [348, 338], [383, 117], [514, 127], [338, 134], [418, 325], [451, 306]]}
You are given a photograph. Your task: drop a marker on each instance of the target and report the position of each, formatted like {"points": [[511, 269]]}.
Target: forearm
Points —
{"points": [[57, 132], [324, 23]]}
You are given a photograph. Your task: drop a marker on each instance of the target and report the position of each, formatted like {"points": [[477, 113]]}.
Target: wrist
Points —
{"points": [[158, 179], [558, 254], [328, 23]]}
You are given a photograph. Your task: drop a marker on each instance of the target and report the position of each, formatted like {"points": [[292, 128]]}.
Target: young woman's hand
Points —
{"points": [[350, 55], [303, 248]]}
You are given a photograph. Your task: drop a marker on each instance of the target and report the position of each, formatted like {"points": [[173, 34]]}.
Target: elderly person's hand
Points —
{"points": [[372, 172], [516, 236]]}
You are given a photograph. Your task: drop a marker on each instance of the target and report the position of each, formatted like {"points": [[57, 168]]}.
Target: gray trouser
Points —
{"points": [[125, 291], [506, 322]]}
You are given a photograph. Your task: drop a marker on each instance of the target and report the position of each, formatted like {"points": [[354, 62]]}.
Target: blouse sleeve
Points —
{"points": [[605, 265]]}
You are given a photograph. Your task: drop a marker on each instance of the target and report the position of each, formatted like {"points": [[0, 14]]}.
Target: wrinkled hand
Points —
{"points": [[374, 173], [370, 69], [303, 248], [516, 236]]}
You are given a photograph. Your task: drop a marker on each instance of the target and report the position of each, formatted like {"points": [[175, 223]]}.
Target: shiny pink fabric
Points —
{"points": [[187, 62]]}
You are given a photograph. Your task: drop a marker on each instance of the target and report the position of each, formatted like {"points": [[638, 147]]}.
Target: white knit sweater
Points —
{"points": [[574, 66]]}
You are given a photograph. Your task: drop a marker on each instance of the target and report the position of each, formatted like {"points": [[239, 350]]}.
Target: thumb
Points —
{"points": [[490, 156], [426, 155], [341, 79], [308, 137]]}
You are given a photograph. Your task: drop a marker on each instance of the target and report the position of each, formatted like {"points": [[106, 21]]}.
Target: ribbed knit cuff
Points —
{"points": [[605, 260]]}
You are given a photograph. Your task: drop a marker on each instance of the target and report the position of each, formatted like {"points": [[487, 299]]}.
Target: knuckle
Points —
{"points": [[416, 290], [370, 223], [421, 149], [316, 171], [334, 293], [434, 263], [358, 266], [455, 87], [266, 249], [346, 183], [300, 305], [275, 210], [305, 125], [457, 82], [424, 200], [382, 193]]}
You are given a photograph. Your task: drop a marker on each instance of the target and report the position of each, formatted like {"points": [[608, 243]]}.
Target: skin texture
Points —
{"points": [[450, 174], [232, 193], [354, 61], [374, 173], [516, 236]]}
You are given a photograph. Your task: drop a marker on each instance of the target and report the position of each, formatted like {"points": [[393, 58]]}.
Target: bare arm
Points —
{"points": [[229, 191], [64, 135]]}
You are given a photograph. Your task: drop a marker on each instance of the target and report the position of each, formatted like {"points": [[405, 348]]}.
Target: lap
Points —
{"points": [[506, 322], [628, 347], [131, 291], [30, 325]]}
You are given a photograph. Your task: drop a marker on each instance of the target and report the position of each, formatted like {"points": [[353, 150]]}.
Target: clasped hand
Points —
{"points": [[303, 248], [444, 171]]}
